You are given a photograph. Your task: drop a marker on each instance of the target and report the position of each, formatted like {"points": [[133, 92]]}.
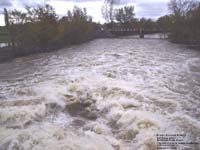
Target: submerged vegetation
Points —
{"points": [[184, 21], [40, 28]]}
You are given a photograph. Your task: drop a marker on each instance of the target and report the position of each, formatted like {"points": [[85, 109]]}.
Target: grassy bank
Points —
{"points": [[4, 35]]}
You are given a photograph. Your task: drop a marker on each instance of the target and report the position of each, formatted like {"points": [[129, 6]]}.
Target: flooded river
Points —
{"points": [[108, 94]]}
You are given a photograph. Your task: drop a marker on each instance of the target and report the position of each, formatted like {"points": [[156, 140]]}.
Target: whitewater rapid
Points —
{"points": [[108, 94]]}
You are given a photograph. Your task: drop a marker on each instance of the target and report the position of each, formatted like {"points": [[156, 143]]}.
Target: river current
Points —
{"points": [[107, 94]]}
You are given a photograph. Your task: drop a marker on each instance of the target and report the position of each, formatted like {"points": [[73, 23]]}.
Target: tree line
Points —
{"points": [[40, 29], [182, 24], [124, 17]]}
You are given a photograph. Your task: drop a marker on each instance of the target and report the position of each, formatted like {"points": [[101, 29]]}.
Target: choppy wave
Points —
{"points": [[106, 94]]}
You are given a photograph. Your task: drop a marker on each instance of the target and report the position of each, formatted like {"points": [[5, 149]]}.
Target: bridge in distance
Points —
{"points": [[129, 31]]}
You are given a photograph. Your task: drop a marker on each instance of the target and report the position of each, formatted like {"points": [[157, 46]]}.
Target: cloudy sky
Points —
{"points": [[143, 8]]}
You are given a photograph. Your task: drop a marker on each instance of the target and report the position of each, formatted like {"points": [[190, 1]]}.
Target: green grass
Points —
{"points": [[4, 36]]}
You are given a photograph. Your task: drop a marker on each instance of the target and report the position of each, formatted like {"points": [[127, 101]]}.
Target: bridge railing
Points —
{"points": [[122, 29], [132, 30]]}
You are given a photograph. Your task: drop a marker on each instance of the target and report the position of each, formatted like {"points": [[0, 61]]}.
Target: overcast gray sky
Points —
{"points": [[143, 8]]}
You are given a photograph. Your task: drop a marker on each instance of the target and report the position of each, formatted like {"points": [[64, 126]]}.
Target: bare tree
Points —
{"points": [[6, 18], [185, 16], [9, 28], [125, 15], [108, 9], [181, 7]]}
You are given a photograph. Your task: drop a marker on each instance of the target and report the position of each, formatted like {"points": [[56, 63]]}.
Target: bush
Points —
{"points": [[40, 29]]}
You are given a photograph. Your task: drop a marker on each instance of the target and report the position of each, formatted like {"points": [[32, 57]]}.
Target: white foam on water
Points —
{"points": [[123, 92]]}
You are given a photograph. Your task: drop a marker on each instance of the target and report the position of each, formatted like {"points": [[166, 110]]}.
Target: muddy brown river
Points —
{"points": [[108, 94]]}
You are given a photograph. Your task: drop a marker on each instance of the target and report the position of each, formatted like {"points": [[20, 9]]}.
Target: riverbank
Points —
{"points": [[7, 53], [195, 45]]}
